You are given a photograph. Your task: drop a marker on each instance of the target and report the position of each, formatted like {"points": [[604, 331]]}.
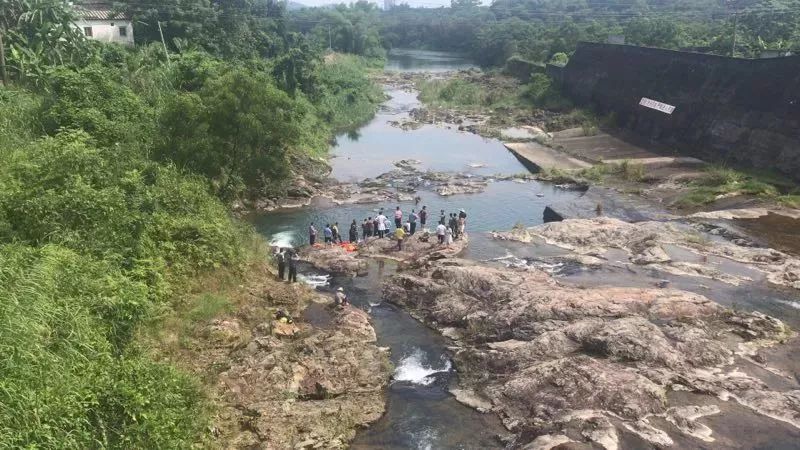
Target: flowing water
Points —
{"points": [[421, 414]]}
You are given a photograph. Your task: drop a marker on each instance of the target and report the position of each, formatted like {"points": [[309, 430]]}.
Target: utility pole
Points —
{"points": [[733, 42], [162, 40], [3, 72]]}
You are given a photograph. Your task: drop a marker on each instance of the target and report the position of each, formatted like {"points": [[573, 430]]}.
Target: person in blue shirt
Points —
{"points": [[328, 234]]}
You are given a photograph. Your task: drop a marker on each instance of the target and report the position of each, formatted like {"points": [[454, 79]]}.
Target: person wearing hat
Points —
{"points": [[341, 298]]}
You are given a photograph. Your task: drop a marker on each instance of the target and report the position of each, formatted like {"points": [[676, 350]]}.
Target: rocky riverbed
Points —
{"points": [[562, 364], [291, 384], [672, 247]]}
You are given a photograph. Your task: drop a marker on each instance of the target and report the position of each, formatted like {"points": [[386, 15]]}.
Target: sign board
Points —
{"points": [[658, 106]]}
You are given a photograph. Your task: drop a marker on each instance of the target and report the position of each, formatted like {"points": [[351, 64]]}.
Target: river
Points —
{"points": [[421, 414]]}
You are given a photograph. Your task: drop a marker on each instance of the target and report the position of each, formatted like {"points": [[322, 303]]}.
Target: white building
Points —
{"points": [[99, 21]]}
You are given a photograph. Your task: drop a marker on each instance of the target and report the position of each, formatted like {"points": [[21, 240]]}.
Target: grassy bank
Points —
{"points": [[721, 182], [115, 242]]}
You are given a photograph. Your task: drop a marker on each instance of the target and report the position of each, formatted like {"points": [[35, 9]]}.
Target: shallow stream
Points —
{"points": [[421, 414]]}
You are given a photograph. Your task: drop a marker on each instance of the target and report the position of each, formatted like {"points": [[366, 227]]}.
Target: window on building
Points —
{"points": [[123, 31], [87, 31]]}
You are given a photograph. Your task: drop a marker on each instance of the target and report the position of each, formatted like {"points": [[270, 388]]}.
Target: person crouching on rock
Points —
{"points": [[341, 298], [399, 234], [293, 258], [280, 258], [440, 232]]}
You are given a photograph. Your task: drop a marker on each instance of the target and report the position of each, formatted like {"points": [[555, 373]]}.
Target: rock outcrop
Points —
{"points": [[672, 247], [312, 389], [563, 361], [334, 259]]}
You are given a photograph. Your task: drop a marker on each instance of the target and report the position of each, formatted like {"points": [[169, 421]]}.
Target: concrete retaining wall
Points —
{"points": [[738, 111]]}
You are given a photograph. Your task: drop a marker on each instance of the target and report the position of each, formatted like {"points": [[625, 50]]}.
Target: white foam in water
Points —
{"points": [[412, 370], [425, 439], [282, 239], [315, 280], [790, 303]]}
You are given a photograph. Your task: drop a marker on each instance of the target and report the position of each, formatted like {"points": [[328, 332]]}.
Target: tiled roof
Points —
{"points": [[98, 11]]}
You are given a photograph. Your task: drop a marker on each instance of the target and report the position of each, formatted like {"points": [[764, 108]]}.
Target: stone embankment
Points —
{"points": [[562, 364]]}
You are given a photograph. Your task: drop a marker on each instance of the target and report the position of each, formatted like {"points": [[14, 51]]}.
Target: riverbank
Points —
{"points": [[304, 383], [564, 144]]}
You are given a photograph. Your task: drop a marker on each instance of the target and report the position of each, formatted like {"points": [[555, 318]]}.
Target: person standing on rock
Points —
{"points": [[381, 219], [335, 236], [398, 218], [440, 232], [328, 233], [453, 225], [370, 228], [448, 237], [399, 234], [423, 216], [312, 234], [353, 232], [280, 258], [442, 219], [341, 297], [293, 258], [412, 218], [462, 222]]}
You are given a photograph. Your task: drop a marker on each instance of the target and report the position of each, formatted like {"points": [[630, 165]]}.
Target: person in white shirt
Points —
{"points": [[381, 225], [440, 231]]}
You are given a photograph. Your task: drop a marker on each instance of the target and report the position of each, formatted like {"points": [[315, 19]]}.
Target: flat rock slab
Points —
{"points": [[599, 147], [629, 208], [537, 157]]}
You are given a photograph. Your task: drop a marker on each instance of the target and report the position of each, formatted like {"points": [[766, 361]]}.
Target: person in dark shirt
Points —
{"points": [[280, 258], [353, 231], [453, 225], [423, 216], [293, 267]]}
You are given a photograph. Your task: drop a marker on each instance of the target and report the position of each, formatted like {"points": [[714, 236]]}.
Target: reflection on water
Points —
{"points": [[380, 144], [405, 60]]}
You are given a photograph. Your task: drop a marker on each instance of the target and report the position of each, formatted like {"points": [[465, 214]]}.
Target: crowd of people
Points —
{"points": [[449, 228]]}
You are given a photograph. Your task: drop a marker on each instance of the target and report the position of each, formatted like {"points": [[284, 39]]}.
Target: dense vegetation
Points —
{"points": [[536, 30], [116, 166]]}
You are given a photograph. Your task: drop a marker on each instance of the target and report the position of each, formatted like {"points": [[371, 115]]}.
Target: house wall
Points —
{"points": [[726, 110], [103, 30]]}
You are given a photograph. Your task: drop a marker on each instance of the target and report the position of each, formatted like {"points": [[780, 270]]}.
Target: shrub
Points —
{"points": [[69, 378]]}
